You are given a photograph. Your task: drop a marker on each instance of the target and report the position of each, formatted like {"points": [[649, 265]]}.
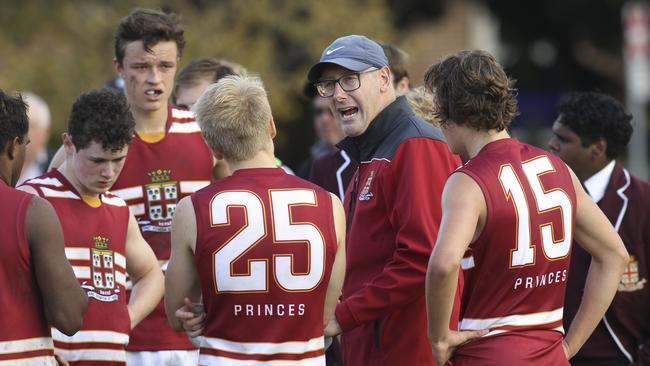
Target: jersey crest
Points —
{"points": [[161, 199], [102, 268], [630, 279]]}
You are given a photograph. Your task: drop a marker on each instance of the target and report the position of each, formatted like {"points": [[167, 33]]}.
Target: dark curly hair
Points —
{"points": [[149, 26], [470, 88], [593, 115], [13, 119], [102, 116]]}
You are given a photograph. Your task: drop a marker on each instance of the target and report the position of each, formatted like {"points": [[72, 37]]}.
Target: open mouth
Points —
{"points": [[348, 112], [155, 93]]}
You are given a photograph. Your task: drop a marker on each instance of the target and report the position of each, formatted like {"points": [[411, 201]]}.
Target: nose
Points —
{"points": [[154, 76], [339, 93], [108, 170]]}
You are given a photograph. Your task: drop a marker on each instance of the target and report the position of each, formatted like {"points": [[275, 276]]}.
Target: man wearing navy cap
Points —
{"points": [[392, 205]]}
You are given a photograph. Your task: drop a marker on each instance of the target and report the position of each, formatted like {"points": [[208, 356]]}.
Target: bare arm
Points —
{"points": [[463, 209], [595, 234], [58, 159], [181, 279], [144, 271], [64, 301], [338, 269]]}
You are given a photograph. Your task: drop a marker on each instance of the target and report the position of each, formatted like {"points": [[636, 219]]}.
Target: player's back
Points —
{"points": [[24, 332], [265, 247], [516, 271]]}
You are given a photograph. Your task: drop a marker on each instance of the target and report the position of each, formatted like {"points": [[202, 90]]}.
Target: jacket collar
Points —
{"points": [[596, 185], [614, 203], [362, 147]]}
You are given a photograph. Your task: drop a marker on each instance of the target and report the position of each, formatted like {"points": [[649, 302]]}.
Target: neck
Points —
{"points": [[476, 141], [150, 121], [263, 159], [66, 170], [589, 171], [5, 175], [6, 169]]}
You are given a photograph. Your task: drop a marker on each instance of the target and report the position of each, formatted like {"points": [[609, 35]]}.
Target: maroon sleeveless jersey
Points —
{"points": [[516, 271], [265, 246], [24, 332], [95, 242], [155, 176]]}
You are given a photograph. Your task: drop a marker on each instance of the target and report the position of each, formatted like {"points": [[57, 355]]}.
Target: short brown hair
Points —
{"points": [[234, 116], [204, 68], [149, 26], [470, 88]]}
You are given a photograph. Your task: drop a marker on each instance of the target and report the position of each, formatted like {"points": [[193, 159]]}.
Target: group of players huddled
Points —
{"points": [[431, 257]]}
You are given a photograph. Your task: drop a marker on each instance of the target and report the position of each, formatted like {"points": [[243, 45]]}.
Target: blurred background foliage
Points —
{"points": [[59, 49]]}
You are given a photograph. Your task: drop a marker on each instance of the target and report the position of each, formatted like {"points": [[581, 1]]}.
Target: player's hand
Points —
{"points": [[444, 349], [192, 316], [332, 328]]}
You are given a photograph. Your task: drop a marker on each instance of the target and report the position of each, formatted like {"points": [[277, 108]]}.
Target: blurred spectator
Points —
{"points": [[192, 81], [421, 102], [398, 63], [332, 169], [328, 133], [195, 77], [38, 156], [590, 133], [116, 84]]}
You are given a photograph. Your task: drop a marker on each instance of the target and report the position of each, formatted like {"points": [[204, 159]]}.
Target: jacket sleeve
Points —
{"points": [[412, 189]]}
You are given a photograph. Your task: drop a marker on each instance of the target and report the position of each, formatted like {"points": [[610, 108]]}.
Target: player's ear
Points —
{"points": [[217, 154], [599, 148], [385, 79], [119, 68], [272, 128], [68, 145], [12, 147]]}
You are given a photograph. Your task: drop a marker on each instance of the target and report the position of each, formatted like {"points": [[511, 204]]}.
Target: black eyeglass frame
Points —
{"points": [[357, 76]]}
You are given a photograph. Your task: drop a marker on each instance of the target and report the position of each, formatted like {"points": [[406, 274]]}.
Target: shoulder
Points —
{"points": [[180, 115], [48, 186], [113, 200], [182, 121], [639, 187], [412, 133]]}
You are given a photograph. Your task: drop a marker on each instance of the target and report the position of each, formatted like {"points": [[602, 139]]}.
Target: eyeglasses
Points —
{"points": [[348, 83]]}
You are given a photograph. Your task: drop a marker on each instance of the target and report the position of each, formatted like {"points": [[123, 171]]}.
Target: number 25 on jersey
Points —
{"points": [[254, 232], [555, 199]]}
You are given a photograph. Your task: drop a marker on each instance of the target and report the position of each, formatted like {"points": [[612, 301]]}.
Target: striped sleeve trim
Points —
{"points": [[47, 192], [49, 181]]}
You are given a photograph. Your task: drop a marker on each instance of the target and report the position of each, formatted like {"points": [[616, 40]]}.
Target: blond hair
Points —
{"points": [[421, 101], [234, 116]]}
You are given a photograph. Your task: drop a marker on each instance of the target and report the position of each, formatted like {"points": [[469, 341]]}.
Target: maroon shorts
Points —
{"points": [[533, 347]]}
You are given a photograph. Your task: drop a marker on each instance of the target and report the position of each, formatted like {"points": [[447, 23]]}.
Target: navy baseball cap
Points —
{"points": [[355, 53]]}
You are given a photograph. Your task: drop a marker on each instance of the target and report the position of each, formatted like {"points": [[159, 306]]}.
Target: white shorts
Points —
{"points": [[163, 358]]}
